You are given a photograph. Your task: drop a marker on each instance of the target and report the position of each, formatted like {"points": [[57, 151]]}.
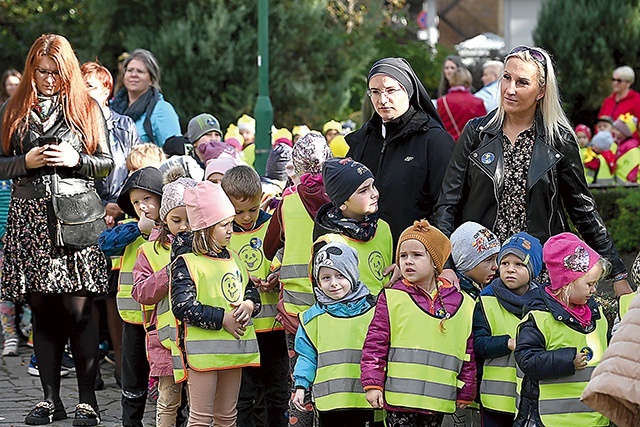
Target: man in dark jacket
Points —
{"points": [[403, 144]]}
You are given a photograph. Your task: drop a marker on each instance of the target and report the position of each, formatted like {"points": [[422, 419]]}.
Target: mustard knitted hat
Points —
{"points": [[436, 243]]}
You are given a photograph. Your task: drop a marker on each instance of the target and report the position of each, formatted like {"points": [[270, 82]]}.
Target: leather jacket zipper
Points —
{"points": [[382, 151]]}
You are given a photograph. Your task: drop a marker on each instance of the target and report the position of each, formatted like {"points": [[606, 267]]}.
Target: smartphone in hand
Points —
{"points": [[48, 140]]}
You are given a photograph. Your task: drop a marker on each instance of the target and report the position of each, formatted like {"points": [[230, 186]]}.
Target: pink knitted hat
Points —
{"points": [[207, 204], [221, 165], [567, 258]]}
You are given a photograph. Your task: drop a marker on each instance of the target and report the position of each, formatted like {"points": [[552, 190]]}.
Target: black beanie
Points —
{"points": [[148, 179], [342, 177]]}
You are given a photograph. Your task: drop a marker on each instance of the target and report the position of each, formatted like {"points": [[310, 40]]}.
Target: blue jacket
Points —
{"points": [[122, 136], [304, 372], [113, 241], [164, 123]]}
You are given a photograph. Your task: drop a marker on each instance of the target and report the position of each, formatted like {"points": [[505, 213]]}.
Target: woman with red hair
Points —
{"points": [[52, 126]]}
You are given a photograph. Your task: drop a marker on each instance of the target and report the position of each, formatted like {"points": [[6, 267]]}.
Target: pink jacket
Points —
{"points": [[149, 288], [376, 345], [613, 390]]}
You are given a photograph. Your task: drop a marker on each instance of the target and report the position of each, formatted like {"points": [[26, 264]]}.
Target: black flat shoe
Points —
{"points": [[86, 415], [45, 413]]}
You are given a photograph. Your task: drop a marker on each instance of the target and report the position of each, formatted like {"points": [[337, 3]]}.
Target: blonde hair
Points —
{"points": [[144, 155], [564, 293], [626, 73], [204, 242], [553, 116], [461, 77]]}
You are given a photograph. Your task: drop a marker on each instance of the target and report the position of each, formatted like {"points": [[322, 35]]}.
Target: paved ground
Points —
{"points": [[19, 392]]}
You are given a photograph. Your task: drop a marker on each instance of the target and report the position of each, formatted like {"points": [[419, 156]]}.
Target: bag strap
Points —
{"points": [[453, 121]]}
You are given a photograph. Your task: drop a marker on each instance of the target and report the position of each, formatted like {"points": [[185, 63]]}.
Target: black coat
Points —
{"points": [[555, 187], [408, 165], [28, 183]]}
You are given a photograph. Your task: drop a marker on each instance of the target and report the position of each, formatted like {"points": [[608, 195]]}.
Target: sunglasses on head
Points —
{"points": [[535, 53]]}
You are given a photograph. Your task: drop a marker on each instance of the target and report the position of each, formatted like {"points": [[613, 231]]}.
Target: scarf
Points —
{"points": [[362, 231], [45, 112], [145, 104], [581, 312], [513, 303]]}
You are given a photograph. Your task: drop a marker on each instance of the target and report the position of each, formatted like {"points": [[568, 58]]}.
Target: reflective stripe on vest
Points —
{"points": [[423, 368], [626, 163], [219, 283], [498, 383], [297, 293], [159, 257], [337, 384], [375, 255], [250, 248], [130, 310], [625, 303], [559, 401]]}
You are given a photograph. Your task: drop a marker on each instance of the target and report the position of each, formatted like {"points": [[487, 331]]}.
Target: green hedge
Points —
{"points": [[620, 209]]}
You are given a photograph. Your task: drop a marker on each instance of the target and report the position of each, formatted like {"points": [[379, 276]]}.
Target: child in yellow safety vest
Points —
{"points": [[628, 152], [417, 359], [242, 186], [214, 301], [562, 338], [353, 213], [330, 338], [139, 198], [151, 287], [496, 317]]}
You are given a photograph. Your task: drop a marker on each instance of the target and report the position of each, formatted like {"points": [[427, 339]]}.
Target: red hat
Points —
{"points": [[567, 258], [584, 129]]}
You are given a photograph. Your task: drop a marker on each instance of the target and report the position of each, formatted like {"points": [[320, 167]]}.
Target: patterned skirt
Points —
{"points": [[33, 264]]}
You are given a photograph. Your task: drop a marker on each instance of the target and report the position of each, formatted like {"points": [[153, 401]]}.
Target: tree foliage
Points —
{"points": [[588, 39]]}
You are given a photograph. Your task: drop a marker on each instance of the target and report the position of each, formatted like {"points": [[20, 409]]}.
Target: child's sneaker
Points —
{"points": [[33, 368], [10, 347]]}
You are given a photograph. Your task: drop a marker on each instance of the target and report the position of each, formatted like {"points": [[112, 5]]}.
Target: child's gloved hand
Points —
{"points": [[145, 225]]}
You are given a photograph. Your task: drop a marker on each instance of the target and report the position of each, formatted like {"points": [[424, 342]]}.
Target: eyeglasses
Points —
{"points": [[43, 74], [617, 80], [389, 93], [535, 53]]}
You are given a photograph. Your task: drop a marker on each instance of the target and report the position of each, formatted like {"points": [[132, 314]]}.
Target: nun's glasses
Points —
{"points": [[389, 93]]}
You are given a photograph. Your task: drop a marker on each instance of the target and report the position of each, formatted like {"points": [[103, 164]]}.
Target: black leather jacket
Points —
{"points": [[28, 184], [556, 186]]}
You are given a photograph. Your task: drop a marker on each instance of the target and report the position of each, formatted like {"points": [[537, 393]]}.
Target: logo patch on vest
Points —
{"points": [[251, 255], [376, 264], [587, 352], [231, 286]]}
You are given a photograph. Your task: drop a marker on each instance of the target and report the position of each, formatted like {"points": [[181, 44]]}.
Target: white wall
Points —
{"points": [[520, 19]]}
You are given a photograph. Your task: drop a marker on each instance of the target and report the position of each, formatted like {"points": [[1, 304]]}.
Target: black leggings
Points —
{"points": [[56, 318]]}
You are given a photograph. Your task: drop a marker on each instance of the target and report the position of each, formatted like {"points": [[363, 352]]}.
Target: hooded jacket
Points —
{"points": [[474, 182], [411, 158]]}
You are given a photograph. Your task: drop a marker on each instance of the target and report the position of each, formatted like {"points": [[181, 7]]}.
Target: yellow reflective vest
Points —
{"points": [[424, 361], [625, 302], [297, 293], [337, 383], [250, 248], [219, 282], [498, 383], [559, 400], [374, 256], [626, 163], [131, 311]]}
